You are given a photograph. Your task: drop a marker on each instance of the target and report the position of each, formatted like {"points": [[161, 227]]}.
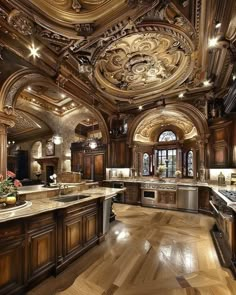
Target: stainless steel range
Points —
{"points": [[231, 195], [149, 194]]}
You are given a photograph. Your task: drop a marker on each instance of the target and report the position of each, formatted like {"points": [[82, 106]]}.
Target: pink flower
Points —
{"points": [[11, 174], [17, 183]]}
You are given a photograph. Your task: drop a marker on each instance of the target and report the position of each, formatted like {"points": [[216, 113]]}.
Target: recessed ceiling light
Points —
{"points": [[206, 83], [63, 95], [72, 104], [234, 77], [33, 99], [29, 88], [140, 107], [34, 51], [64, 108], [181, 95], [56, 109], [212, 42], [218, 25]]}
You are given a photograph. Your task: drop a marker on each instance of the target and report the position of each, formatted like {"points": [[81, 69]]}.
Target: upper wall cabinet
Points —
{"points": [[120, 154], [221, 144]]}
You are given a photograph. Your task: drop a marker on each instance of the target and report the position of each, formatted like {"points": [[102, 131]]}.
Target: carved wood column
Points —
{"points": [[5, 122]]}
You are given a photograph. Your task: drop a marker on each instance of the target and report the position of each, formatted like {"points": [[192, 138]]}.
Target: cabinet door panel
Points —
{"points": [[99, 167], [42, 250], [11, 267], [87, 166], [90, 226], [73, 232]]}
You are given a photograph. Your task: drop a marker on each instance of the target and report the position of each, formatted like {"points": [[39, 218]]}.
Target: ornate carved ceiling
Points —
{"points": [[153, 123], [146, 62], [27, 126], [120, 54], [49, 98]]}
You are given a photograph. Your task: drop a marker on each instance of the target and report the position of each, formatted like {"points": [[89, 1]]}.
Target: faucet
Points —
{"points": [[59, 189]]}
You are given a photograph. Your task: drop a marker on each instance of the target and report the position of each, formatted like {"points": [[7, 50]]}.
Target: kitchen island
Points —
{"points": [[47, 236]]}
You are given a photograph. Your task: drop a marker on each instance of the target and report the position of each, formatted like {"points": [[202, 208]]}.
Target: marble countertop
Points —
{"points": [[49, 204]]}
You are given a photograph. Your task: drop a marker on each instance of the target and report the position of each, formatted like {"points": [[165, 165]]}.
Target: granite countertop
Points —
{"points": [[153, 180], [47, 204]]}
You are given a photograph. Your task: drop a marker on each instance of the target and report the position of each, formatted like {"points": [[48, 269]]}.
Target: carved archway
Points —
{"points": [[14, 85], [192, 113]]}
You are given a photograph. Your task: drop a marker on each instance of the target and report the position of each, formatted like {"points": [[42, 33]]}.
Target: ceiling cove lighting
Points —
{"points": [[34, 51]]}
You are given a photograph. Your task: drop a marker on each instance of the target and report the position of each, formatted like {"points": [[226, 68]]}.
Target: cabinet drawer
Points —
{"points": [[10, 230], [40, 221]]}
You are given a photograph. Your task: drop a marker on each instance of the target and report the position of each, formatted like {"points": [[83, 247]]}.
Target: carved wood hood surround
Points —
{"points": [[144, 62]]}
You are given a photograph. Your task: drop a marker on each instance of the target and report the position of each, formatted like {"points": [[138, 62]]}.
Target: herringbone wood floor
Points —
{"points": [[147, 251]]}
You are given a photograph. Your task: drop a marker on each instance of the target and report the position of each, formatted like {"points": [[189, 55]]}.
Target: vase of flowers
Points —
{"points": [[159, 171], [177, 175], [8, 189]]}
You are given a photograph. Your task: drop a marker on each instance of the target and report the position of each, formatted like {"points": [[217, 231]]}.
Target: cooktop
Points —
{"points": [[231, 195]]}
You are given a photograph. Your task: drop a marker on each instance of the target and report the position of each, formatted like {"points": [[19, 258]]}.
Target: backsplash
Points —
{"points": [[227, 173]]}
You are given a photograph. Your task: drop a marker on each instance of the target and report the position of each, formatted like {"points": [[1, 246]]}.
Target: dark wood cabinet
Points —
{"points": [[220, 144], [41, 246], [90, 227], [204, 199], [132, 193], [91, 163], [73, 228], [120, 154], [79, 230], [12, 264], [35, 247]]}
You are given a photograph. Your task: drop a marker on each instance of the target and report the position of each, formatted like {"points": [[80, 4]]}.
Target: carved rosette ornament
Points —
{"points": [[21, 22], [144, 62]]}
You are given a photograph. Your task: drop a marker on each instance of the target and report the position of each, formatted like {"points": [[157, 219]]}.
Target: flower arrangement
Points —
{"points": [[178, 173], [161, 168], [9, 186]]}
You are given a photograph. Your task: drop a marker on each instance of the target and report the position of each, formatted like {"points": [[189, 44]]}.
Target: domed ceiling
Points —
{"points": [[144, 62], [149, 127]]}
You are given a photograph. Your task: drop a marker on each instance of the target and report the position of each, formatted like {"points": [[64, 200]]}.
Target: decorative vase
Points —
{"points": [[11, 200]]}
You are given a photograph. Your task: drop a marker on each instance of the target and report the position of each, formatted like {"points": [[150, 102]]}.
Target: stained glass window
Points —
{"points": [[167, 136], [190, 164], [146, 164]]}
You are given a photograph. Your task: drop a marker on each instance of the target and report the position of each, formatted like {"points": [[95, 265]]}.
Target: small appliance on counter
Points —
{"points": [[233, 179], [221, 179]]}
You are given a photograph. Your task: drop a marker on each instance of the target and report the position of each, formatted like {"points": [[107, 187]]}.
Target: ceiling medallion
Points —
{"points": [[144, 62]]}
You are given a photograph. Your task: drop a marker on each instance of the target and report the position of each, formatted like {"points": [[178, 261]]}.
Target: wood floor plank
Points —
{"points": [[147, 251]]}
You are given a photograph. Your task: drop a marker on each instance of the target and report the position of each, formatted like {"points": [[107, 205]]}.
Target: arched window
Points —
{"points": [[167, 135], [189, 162], [146, 164]]}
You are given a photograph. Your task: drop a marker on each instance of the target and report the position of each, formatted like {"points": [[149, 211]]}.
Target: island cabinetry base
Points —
{"points": [[12, 258], [33, 248], [41, 247], [77, 232]]}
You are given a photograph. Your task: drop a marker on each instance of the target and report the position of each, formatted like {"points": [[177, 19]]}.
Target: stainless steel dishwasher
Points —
{"points": [[187, 197]]}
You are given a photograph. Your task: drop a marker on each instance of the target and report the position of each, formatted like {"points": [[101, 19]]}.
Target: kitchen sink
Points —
{"points": [[66, 199]]}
